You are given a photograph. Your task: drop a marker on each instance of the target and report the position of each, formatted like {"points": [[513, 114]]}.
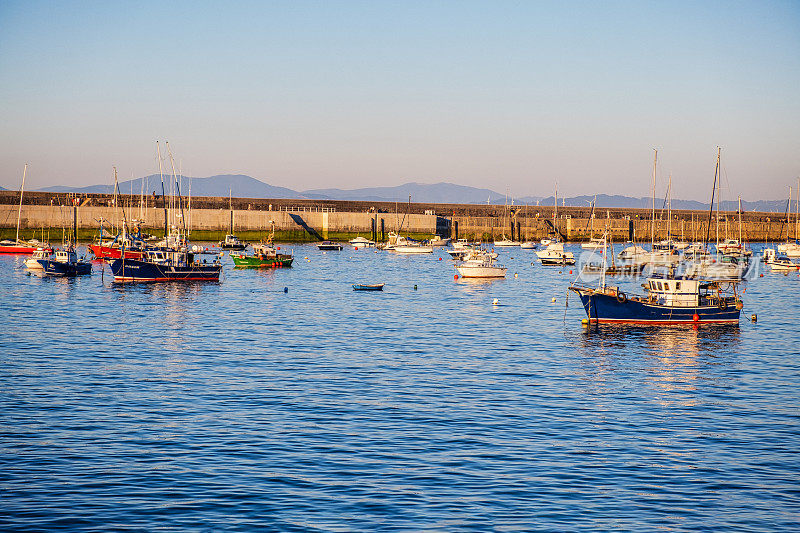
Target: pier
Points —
{"points": [[296, 220]]}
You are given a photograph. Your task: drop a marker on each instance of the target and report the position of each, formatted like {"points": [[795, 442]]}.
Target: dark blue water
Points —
{"points": [[236, 406]]}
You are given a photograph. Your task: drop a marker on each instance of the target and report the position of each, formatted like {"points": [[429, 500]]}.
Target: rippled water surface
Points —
{"points": [[238, 406]]}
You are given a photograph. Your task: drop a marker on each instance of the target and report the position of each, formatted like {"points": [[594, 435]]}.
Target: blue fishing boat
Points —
{"points": [[376, 287], [65, 264], [166, 265], [668, 300]]}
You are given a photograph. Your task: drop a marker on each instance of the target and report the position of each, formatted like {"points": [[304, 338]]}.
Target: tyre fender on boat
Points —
{"points": [[621, 297], [722, 304]]}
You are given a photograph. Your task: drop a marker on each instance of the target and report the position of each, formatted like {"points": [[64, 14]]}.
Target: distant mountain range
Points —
{"points": [[248, 187]]}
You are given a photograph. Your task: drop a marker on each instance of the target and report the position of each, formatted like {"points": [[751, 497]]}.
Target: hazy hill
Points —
{"points": [[443, 193], [248, 187], [240, 186]]}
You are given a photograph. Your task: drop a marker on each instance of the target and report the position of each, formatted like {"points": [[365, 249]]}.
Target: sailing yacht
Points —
{"points": [[789, 248], [17, 246]]}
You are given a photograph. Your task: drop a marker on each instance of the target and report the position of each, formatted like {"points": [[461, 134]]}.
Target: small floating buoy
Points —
{"points": [[455, 276], [754, 318], [355, 247], [761, 275], [570, 271], [495, 301], [440, 259], [695, 318], [285, 289], [415, 287], [306, 258], [278, 248], [585, 322], [553, 300]]}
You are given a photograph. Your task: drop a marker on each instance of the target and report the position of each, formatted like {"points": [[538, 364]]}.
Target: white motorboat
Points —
{"points": [[413, 249], [546, 242], [481, 265], [779, 263], [593, 244], [40, 254], [528, 245], [439, 241], [506, 242], [555, 254], [461, 244], [731, 247], [790, 249], [716, 268], [362, 242], [632, 253]]}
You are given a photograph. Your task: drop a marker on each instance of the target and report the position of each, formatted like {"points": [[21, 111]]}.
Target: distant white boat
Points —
{"points": [[716, 268], [528, 245], [439, 241], [481, 265], [554, 254], [413, 249], [460, 244], [362, 242], [40, 254], [779, 263], [632, 253], [790, 249], [593, 244], [506, 242]]}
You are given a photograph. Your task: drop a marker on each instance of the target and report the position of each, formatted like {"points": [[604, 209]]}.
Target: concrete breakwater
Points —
{"points": [[310, 220]]}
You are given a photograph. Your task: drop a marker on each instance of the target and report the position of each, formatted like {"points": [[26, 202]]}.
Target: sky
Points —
{"points": [[511, 96]]}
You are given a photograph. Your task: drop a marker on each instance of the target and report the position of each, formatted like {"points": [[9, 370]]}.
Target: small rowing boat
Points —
{"points": [[362, 287]]}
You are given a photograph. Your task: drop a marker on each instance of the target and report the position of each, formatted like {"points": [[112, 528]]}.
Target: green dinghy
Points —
{"points": [[264, 256]]}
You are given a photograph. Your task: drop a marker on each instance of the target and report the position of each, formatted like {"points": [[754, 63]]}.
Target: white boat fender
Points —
{"points": [[553, 300], [516, 275]]}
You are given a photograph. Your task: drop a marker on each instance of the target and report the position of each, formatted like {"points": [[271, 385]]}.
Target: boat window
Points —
{"points": [[659, 285], [677, 285]]}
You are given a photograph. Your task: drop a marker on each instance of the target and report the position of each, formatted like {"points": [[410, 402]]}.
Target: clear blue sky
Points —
{"points": [[507, 95]]}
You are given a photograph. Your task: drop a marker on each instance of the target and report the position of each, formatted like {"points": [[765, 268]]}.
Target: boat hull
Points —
{"points": [[60, 269], [413, 249], [16, 249], [481, 272], [608, 309], [378, 287], [143, 271], [249, 261], [108, 252]]}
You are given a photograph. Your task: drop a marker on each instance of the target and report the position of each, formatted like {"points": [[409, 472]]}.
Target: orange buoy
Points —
{"points": [[695, 318], [455, 276]]}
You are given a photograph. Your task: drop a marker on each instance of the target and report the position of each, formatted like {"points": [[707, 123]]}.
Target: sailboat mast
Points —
{"points": [[740, 220], [163, 193], [21, 192], [177, 186], [653, 223], [555, 211], [669, 209], [719, 190], [230, 206], [711, 205]]}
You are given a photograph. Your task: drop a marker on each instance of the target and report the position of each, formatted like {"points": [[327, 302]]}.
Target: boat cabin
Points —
{"points": [[170, 257], [66, 256], [674, 292]]}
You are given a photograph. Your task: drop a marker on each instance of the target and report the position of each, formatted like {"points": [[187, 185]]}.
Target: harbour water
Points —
{"points": [[241, 406]]}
